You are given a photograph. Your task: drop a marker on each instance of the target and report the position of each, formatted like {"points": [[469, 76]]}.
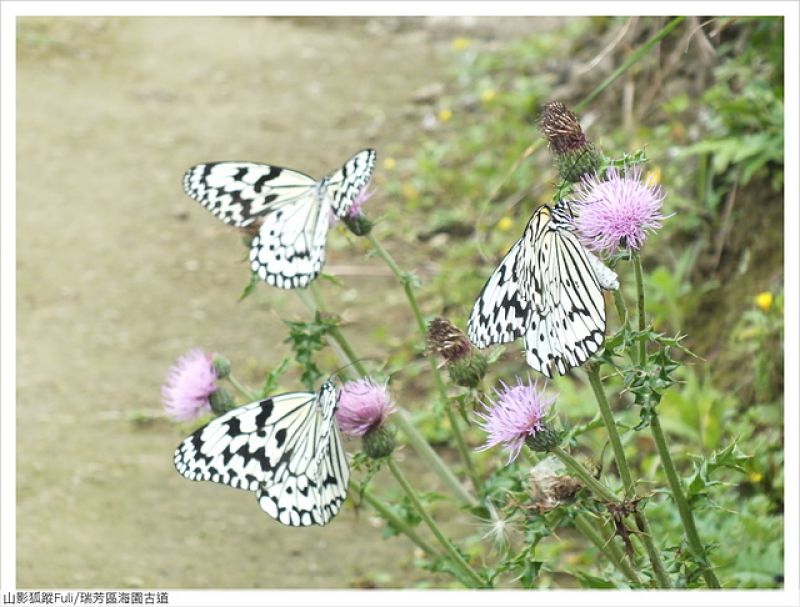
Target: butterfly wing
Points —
{"points": [[271, 447], [312, 488], [245, 446], [289, 250], [239, 193], [568, 323], [500, 312], [343, 185]]}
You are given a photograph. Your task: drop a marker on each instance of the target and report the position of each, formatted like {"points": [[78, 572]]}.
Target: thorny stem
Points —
{"points": [[392, 518], [451, 416], [417, 441], [676, 488], [477, 581], [595, 486], [625, 474], [637, 268], [593, 372], [607, 546]]}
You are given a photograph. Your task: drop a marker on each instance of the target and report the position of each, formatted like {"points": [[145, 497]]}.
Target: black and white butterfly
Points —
{"points": [[293, 210], [547, 290], [286, 449]]}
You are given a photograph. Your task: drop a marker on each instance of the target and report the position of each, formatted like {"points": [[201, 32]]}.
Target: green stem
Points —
{"points": [[336, 333], [607, 546], [687, 518], [676, 488], [634, 57], [401, 419], [393, 519], [461, 444], [625, 475], [637, 268], [244, 390], [475, 579], [595, 486], [611, 427], [622, 310]]}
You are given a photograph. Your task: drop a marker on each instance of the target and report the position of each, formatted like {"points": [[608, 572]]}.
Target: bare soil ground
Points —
{"points": [[118, 273]]}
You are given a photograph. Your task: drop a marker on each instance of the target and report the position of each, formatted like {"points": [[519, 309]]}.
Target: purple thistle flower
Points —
{"points": [[618, 211], [363, 406], [189, 386], [516, 415], [357, 206]]}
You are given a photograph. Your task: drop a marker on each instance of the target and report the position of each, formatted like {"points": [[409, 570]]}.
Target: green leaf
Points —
{"points": [[270, 384], [250, 287]]}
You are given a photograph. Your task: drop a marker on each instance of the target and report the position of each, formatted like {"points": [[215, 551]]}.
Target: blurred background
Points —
{"points": [[119, 273]]}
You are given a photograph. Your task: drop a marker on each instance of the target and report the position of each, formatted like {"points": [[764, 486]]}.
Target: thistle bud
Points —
{"points": [[544, 440], [358, 224], [379, 442], [221, 401], [575, 155], [468, 371], [222, 366]]}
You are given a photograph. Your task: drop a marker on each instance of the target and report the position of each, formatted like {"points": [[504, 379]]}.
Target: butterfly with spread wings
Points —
{"points": [[547, 290], [286, 449], [291, 210]]}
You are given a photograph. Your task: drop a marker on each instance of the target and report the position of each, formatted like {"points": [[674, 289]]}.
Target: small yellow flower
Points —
{"points": [[389, 163], [488, 95], [755, 477], [764, 300], [572, 558], [461, 44], [409, 191], [505, 224], [445, 114], [653, 177]]}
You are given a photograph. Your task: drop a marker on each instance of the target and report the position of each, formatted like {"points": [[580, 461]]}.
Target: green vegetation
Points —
{"points": [[713, 131]]}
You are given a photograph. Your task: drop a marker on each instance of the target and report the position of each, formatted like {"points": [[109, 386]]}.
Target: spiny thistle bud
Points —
{"points": [[544, 440], [575, 155], [358, 224], [379, 442], [221, 401], [222, 366], [465, 364], [468, 371]]}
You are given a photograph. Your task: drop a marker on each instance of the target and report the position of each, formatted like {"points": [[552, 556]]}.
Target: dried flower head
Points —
{"points": [[562, 128], [363, 406], [447, 340], [575, 155], [550, 485], [618, 211], [516, 415], [189, 385], [465, 364]]}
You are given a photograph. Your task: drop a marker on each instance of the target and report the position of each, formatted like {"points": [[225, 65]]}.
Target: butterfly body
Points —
{"points": [[291, 210], [545, 290], [285, 448]]}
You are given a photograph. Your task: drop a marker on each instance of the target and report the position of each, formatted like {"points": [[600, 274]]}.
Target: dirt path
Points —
{"points": [[118, 274]]}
